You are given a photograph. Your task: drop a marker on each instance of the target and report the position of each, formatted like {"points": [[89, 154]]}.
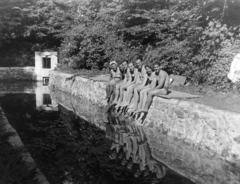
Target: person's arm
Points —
{"points": [[111, 74], [154, 82], [161, 81], [145, 87], [143, 82], [127, 76], [136, 78]]}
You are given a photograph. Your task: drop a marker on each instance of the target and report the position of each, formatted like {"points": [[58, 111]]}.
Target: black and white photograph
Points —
{"points": [[119, 91]]}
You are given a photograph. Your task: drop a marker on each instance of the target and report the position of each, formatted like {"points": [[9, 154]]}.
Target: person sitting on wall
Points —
{"points": [[115, 76], [123, 89], [162, 78], [129, 78], [123, 67], [148, 84], [139, 78]]}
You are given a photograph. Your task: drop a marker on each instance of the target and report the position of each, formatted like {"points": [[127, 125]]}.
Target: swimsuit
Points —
{"points": [[132, 75], [149, 81], [123, 73], [116, 74]]}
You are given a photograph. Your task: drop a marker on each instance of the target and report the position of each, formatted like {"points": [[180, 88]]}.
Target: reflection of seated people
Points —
{"points": [[148, 84], [162, 87], [141, 71], [128, 79], [115, 76], [132, 141], [138, 150]]}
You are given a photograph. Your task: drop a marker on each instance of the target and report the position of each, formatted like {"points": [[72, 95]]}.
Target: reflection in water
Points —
{"points": [[69, 149], [130, 145], [44, 100]]}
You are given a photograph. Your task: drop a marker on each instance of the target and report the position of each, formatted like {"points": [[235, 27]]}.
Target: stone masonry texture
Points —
{"points": [[195, 140]]}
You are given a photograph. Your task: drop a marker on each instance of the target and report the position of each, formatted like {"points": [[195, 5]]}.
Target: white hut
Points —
{"points": [[44, 63]]}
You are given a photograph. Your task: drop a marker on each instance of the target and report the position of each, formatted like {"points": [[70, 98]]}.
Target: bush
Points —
{"points": [[195, 38]]}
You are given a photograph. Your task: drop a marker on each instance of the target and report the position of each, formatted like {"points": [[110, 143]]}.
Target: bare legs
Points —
{"points": [[110, 89], [122, 94], [150, 96], [117, 89], [137, 98], [130, 90], [143, 98]]}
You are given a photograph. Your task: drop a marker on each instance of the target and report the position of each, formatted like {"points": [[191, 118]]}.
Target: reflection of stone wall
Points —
{"points": [[17, 73], [195, 140], [82, 107], [17, 87]]}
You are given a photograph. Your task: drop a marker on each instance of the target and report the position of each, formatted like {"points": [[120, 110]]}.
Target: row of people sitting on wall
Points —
{"points": [[131, 147], [133, 84]]}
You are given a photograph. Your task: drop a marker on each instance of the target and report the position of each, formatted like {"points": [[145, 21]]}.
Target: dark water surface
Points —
{"points": [[70, 150]]}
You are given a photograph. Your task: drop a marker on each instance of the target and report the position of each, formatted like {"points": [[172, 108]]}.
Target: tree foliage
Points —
{"points": [[195, 38]]}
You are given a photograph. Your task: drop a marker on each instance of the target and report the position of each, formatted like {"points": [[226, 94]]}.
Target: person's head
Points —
{"points": [[113, 65], [125, 64], [131, 66], [149, 69], [121, 67], [138, 61], [157, 67]]}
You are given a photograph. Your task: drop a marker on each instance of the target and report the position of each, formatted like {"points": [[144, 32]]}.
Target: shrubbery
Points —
{"points": [[195, 38]]}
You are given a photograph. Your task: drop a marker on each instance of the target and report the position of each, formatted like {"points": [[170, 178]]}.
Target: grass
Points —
{"points": [[12, 167]]}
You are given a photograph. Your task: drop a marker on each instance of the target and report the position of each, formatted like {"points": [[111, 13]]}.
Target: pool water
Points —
{"points": [[70, 150]]}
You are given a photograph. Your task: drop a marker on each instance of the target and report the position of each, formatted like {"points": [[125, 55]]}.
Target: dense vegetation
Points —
{"points": [[195, 38]]}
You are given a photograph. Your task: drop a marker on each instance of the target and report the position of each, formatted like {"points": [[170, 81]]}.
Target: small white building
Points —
{"points": [[44, 63]]}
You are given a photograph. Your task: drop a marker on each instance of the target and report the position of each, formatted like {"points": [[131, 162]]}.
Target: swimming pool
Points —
{"points": [[80, 143]]}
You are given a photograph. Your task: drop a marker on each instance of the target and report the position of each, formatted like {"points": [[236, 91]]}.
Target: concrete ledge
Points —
{"points": [[195, 140], [16, 142]]}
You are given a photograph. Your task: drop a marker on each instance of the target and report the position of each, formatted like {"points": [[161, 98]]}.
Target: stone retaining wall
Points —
{"points": [[17, 73], [214, 132], [195, 140], [92, 113]]}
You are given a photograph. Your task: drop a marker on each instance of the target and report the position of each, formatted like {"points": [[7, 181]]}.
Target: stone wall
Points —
{"points": [[17, 73], [92, 113], [195, 140]]}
